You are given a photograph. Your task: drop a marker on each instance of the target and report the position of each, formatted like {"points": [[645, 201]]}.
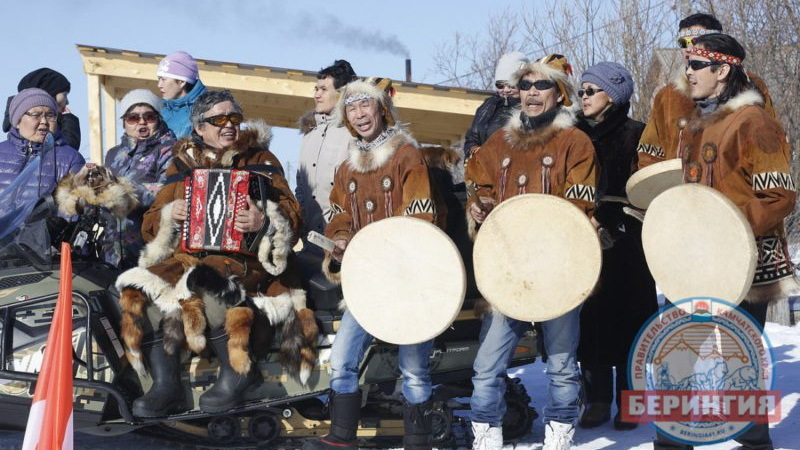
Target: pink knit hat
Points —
{"points": [[179, 66]]}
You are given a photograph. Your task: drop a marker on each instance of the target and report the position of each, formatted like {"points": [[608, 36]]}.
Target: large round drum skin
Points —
{"points": [[699, 244], [646, 184], [403, 280], [536, 257]]}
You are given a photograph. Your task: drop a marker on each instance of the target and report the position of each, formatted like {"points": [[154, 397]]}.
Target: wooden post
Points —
{"points": [[109, 119], [95, 128]]}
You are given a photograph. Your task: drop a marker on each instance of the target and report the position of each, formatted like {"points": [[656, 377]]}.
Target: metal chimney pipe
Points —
{"points": [[408, 70]]}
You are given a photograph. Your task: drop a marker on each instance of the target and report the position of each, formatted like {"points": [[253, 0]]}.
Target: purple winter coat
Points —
{"points": [[16, 152]]}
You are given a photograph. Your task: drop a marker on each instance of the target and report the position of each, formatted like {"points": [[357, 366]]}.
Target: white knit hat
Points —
{"points": [[508, 64], [138, 96]]}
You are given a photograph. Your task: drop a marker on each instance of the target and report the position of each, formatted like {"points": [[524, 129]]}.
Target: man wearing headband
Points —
{"points": [[735, 146], [538, 151], [384, 176], [672, 105]]}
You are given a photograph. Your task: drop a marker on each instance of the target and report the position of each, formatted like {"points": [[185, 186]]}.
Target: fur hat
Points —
{"points": [[379, 89], [508, 64], [611, 77], [140, 96], [27, 99], [179, 66], [554, 67]]}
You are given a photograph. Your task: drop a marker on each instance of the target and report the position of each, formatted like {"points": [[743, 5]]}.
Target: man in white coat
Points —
{"points": [[324, 147]]}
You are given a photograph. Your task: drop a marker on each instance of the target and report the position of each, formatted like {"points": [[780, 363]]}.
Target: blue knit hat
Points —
{"points": [[611, 77]]}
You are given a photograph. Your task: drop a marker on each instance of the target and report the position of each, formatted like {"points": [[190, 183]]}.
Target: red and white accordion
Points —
{"points": [[214, 197]]}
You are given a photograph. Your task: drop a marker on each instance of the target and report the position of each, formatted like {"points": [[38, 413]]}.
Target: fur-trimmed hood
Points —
{"points": [[194, 154], [368, 160], [749, 97], [518, 137], [95, 185]]}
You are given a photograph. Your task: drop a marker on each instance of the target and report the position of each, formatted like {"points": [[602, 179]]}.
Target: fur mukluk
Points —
{"points": [[95, 185]]}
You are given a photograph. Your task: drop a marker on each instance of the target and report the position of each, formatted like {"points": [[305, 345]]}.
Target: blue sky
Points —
{"points": [[293, 34]]}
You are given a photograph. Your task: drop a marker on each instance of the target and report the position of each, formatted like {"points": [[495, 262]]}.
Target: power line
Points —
{"points": [[570, 39]]}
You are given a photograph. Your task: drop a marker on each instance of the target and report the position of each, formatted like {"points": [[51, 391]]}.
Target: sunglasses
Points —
{"points": [[589, 91], [503, 85], [540, 85], [223, 119], [696, 65], [133, 118], [684, 42]]}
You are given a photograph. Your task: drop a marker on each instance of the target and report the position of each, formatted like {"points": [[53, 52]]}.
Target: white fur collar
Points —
{"points": [[745, 98], [518, 137], [365, 161]]}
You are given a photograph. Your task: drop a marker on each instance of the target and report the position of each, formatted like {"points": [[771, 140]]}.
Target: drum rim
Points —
{"points": [[659, 168], [553, 200], [451, 246]]}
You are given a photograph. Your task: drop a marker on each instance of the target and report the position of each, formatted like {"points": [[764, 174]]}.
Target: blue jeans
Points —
{"points": [[499, 337], [348, 350]]}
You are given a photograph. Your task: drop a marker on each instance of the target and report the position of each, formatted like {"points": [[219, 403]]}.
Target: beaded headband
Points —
{"points": [[699, 32], [715, 56], [357, 97]]}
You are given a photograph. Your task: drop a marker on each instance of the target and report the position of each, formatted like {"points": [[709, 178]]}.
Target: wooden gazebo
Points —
{"points": [[436, 114]]}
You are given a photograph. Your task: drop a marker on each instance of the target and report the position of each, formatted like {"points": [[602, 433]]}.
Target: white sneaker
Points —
{"points": [[558, 436], [486, 437]]}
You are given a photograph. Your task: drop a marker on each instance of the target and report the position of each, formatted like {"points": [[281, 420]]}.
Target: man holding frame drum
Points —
{"points": [[383, 176], [539, 151], [736, 147]]}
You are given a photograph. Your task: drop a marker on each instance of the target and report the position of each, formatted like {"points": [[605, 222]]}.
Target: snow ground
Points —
{"points": [[785, 434]]}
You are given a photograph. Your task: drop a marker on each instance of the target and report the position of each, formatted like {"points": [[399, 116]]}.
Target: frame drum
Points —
{"points": [[699, 244], [403, 280], [536, 257]]}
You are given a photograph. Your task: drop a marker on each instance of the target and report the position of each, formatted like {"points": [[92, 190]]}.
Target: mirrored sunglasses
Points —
{"points": [[687, 41], [223, 119]]}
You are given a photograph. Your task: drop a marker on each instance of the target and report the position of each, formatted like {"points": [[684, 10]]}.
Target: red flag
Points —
{"points": [[50, 419]]}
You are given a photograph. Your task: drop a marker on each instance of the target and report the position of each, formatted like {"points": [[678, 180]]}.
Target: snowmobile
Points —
{"points": [[105, 384]]}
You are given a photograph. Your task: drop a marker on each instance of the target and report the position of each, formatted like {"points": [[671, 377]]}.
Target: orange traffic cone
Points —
{"points": [[50, 419]]}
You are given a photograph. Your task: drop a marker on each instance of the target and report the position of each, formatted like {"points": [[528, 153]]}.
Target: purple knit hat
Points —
{"points": [[27, 99], [179, 66], [611, 77]]}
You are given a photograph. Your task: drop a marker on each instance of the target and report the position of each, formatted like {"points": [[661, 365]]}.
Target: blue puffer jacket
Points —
{"points": [[176, 113], [16, 152]]}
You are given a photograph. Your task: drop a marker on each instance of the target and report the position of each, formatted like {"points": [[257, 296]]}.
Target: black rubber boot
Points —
{"points": [[345, 410], [232, 388], [166, 395], [417, 420]]}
